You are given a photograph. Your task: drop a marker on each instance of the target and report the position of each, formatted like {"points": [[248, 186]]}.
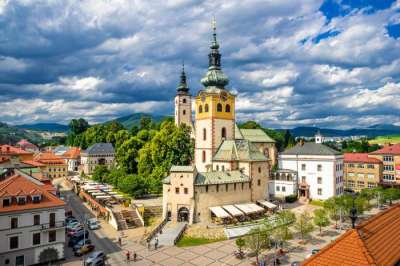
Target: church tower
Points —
{"points": [[183, 103], [214, 109]]}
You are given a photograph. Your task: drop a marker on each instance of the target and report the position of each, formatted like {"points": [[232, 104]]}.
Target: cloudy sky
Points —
{"points": [[332, 63]]}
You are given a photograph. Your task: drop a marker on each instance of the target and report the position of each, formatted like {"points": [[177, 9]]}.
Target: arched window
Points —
{"points": [[184, 101], [217, 167], [204, 134], [219, 107], [203, 156], [206, 108], [184, 112], [259, 169], [200, 108], [223, 133], [223, 168], [227, 108]]}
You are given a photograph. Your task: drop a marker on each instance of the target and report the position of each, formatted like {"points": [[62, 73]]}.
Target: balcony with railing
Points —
{"points": [[54, 225]]}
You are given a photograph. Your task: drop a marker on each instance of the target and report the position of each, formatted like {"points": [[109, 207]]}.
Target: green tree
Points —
{"points": [[304, 225], [100, 173], [284, 220], [135, 185], [391, 194], [257, 239], [321, 219], [250, 125], [333, 209], [145, 122], [127, 154], [289, 140], [240, 243], [134, 130]]}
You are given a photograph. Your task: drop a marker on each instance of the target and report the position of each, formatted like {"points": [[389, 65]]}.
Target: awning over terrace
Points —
{"points": [[249, 208], [233, 210], [219, 212], [267, 204]]}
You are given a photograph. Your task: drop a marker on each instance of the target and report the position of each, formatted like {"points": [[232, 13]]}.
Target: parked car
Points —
{"points": [[81, 243], [93, 224], [84, 250], [75, 231], [73, 240], [97, 258], [72, 225]]}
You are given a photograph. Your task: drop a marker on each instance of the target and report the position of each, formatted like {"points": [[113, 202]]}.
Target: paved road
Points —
{"points": [[99, 238]]}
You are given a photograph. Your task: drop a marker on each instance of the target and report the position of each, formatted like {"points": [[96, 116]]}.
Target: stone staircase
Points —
{"points": [[132, 218], [121, 221]]}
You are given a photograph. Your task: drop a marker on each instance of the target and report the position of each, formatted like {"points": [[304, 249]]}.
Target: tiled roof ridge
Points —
{"points": [[377, 216], [343, 237], [364, 249]]}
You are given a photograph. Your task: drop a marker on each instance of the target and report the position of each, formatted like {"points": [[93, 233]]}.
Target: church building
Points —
{"points": [[231, 165]]}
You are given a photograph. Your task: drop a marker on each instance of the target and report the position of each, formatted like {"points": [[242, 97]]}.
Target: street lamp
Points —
{"points": [[353, 210]]}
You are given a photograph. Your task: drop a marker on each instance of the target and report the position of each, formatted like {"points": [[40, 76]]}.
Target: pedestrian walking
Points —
{"points": [[128, 256], [134, 256], [148, 244], [120, 241], [156, 243]]}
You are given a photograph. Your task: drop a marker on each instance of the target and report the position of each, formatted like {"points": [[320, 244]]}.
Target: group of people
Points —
{"points": [[155, 243], [128, 255]]}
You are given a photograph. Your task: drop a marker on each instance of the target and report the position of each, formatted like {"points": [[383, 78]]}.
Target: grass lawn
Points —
{"points": [[319, 203], [187, 241], [385, 139]]}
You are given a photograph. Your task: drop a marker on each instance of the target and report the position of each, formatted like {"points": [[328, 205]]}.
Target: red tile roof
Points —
{"points": [[48, 158], [392, 149], [11, 150], [373, 242], [23, 143], [359, 158], [72, 153], [33, 163], [20, 185]]}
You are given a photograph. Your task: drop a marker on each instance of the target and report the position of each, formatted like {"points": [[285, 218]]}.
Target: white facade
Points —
{"points": [[26, 251], [322, 173], [73, 164], [183, 110]]}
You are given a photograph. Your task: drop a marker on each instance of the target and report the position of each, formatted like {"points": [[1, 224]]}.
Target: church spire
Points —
{"points": [[214, 76], [183, 87]]}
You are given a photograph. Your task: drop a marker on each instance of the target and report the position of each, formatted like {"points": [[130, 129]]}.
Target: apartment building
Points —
{"points": [[31, 223], [390, 158], [73, 158], [54, 166], [361, 171]]}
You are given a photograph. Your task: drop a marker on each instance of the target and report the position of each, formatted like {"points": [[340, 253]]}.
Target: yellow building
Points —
{"points": [[390, 158], [361, 171], [231, 166], [54, 166]]}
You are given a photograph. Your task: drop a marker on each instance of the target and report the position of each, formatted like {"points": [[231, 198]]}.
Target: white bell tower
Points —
{"points": [[183, 103], [319, 139]]}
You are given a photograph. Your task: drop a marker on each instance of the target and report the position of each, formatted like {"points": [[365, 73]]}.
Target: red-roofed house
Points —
{"points": [[390, 157], [374, 242], [27, 146], [73, 157], [32, 227], [11, 152], [361, 171]]}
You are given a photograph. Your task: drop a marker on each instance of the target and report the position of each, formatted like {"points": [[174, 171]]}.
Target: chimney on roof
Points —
{"points": [[8, 148]]}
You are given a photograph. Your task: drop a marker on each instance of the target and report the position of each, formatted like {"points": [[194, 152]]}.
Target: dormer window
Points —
{"points": [[36, 198], [6, 202], [21, 200]]}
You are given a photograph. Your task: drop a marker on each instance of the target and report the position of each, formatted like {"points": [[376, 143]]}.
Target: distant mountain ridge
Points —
{"points": [[134, 119], [51, 127], [11, 135], [372, 131]]}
